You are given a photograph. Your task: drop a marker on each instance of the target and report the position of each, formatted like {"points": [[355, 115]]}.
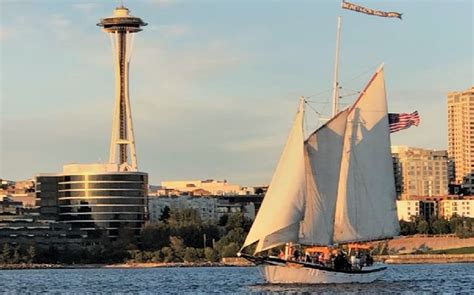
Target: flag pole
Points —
{"points": [[335, 93]]}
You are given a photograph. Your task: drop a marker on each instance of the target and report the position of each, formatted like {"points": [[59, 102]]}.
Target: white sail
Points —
{"points": [[365, 208], [278, 219], [323, 159]]}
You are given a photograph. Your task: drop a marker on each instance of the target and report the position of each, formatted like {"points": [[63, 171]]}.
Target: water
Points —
{"points": [[406, 279]]}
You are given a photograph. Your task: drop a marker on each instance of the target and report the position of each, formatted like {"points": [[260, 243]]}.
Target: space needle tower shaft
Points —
{"points": [[121, 27]]}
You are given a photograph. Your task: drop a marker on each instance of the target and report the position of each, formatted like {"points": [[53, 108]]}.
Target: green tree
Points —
{"points": [[186, 216], [230, 250], [236, 235], [155, 236], [455, 222], [407, 228], [140, 257], [126, 238], [211, 254], [223, 220], [176, 244], [238, 220], [165, 215], [423, 227], [6, 253], [168, 255], [16, 255], [157, 256], [31, 251], [190, 254], [440, 226]]}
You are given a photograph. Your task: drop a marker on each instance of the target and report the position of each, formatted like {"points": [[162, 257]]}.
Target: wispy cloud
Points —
{"points": [[85, 7], [172, 31], [59, 21]]}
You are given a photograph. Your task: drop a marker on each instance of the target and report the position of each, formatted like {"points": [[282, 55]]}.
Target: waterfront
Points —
{"points": [[408, 279]]}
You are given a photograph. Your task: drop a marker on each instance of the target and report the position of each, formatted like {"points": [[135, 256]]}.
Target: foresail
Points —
{"points": [[278, 219], [365, 208], [323, 157]]}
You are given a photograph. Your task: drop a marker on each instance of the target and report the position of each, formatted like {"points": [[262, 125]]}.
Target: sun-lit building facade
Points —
{"points": [[461, 207], [93, 197], [214, 187], [461, 136], [407, 209], [420, 172]]}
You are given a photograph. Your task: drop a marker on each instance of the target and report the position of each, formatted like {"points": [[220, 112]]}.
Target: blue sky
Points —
{"points": [[215, 84]]}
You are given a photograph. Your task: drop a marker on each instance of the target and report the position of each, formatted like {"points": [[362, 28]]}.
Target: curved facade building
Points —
{"points": [[91, 197]]}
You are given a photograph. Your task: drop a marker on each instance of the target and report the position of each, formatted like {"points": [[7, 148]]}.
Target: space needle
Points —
{"points": [[121, 27]]}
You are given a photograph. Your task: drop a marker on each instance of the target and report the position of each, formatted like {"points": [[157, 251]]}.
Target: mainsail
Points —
{"points": [[365, 208], [323, 160], [281, 211], [337, 186]]}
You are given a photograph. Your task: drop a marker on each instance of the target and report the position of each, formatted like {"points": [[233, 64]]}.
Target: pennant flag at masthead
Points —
{"points": [[362, 9]]}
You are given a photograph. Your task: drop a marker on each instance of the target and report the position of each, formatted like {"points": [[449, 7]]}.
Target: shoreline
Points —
{"points": [[426, 258], [130, 265], [388, 259]]}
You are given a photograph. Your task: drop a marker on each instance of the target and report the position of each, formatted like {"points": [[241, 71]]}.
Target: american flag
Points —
{"points": [[402, 121]]}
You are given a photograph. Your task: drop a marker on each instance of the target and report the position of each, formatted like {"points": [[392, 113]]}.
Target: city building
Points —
{"points": [[420, 172], [208, 207], [461, 207], [18, 198], [407, 209], [205, 206], [461, 136], [227, 206], [41, 234], [435, 206], [10, 207], [94, 196], [6, 184], [214, 187]]}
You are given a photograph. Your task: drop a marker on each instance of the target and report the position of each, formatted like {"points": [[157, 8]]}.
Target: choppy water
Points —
{"points": [[407, 279]]}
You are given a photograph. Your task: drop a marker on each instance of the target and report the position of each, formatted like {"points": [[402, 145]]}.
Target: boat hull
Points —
{"points": [[284, 274]]}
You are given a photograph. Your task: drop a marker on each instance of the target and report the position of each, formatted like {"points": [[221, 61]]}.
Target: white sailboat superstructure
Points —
{"points": [[334, 187]]}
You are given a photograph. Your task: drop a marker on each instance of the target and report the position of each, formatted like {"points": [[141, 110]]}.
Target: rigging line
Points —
{"points": [[371, 68], [350, 94], [325, 91], [314, 110], [318, 114], [347, 89], [316, 102]]}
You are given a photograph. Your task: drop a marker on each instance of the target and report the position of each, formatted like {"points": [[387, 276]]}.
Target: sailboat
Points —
{"points": [[334, 187]]}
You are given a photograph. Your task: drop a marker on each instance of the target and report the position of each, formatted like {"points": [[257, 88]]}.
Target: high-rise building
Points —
{"points": [[106, 197], [420, 172], [122, 26], [461, 136]]}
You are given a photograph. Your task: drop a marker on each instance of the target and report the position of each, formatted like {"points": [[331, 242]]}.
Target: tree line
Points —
{"points": [[462, 227], [179, 236]]}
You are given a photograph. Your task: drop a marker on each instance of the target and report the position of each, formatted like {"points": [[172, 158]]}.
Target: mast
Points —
{"points": [[335, 93]]}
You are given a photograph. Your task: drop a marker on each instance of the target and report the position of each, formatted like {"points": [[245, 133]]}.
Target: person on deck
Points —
{"points": [[362, 260], [296, 255], [369, 260]]}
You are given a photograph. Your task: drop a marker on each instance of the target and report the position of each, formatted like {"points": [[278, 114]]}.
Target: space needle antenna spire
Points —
{"points": [[121, 27]]}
